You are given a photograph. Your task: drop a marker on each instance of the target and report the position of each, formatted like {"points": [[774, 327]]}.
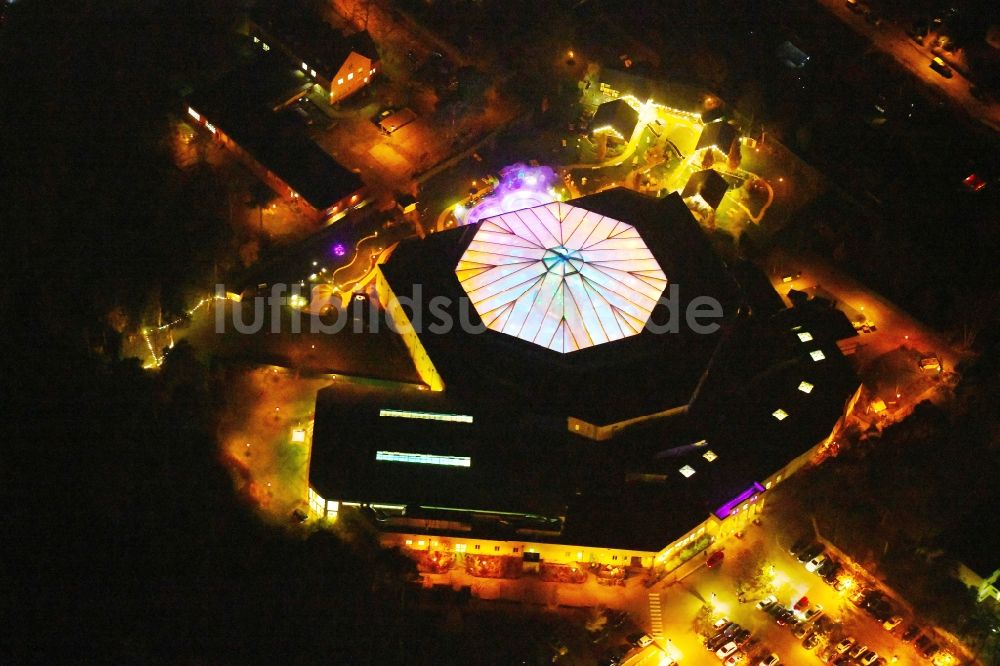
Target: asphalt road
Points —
{"points": [[893, 40]]}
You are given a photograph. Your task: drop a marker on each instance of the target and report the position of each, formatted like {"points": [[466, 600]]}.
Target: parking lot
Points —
{"points": [[806, 621]]}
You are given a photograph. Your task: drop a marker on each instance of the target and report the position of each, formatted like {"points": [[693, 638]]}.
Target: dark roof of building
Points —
{"points": [[242, 105], [756, 288], [578, 383], [792, 56], [626, 492], [618, 115], [717, 133], [309, 37], [709, 184]]}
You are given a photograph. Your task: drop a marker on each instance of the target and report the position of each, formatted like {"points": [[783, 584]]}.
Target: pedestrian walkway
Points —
{"points": [[655, 616]]}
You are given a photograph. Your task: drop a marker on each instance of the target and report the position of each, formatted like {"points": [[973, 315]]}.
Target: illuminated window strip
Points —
{"points": [[687, 471], [427, 416], [423, 459], [805, 336]]}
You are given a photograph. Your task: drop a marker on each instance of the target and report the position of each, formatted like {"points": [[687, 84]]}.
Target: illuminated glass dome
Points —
{"points": [[561, 277]]}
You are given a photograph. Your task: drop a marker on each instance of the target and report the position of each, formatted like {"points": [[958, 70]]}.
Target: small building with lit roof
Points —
{"points": [[617, 118], [718, 134]]}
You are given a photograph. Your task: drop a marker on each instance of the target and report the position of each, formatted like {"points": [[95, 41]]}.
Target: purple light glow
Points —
{"points": [[726, 509], [339, 250], [520, 187]]}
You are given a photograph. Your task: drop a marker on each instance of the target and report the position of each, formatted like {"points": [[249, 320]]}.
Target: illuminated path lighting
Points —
{"points": [[423, 459], [561, 277]]}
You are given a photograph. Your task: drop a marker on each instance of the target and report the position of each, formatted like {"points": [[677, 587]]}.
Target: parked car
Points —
{"points": [[741, 637], [868, 658], [800, 629], [892, 623], [811, 640], [823, 625], [802, 603], [639, 639], [715, 559], [814, 613], [799, 545], [910, 633], [930, 363], [809, 552], [717, 641], [830, 563], [857, 651], [815, 563], [769, 660], [832, 575], [726, 650], [844, 645], [767, 602], [786, 617], [941, 67]]}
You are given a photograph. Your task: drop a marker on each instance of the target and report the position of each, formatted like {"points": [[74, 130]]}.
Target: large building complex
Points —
{"points": [[584, 418]]}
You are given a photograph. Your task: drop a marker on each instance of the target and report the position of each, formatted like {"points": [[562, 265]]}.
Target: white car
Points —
{"points": [[815, 563], [892, 623], [844, 645], [766, 602], [727, 650], [769, 660]]}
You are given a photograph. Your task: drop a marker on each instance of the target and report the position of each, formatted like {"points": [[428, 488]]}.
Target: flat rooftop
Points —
{"points": [[247, 105]]}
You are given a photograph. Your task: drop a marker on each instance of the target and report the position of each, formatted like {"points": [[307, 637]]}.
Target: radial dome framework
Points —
{"points": [[561, 277]]}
